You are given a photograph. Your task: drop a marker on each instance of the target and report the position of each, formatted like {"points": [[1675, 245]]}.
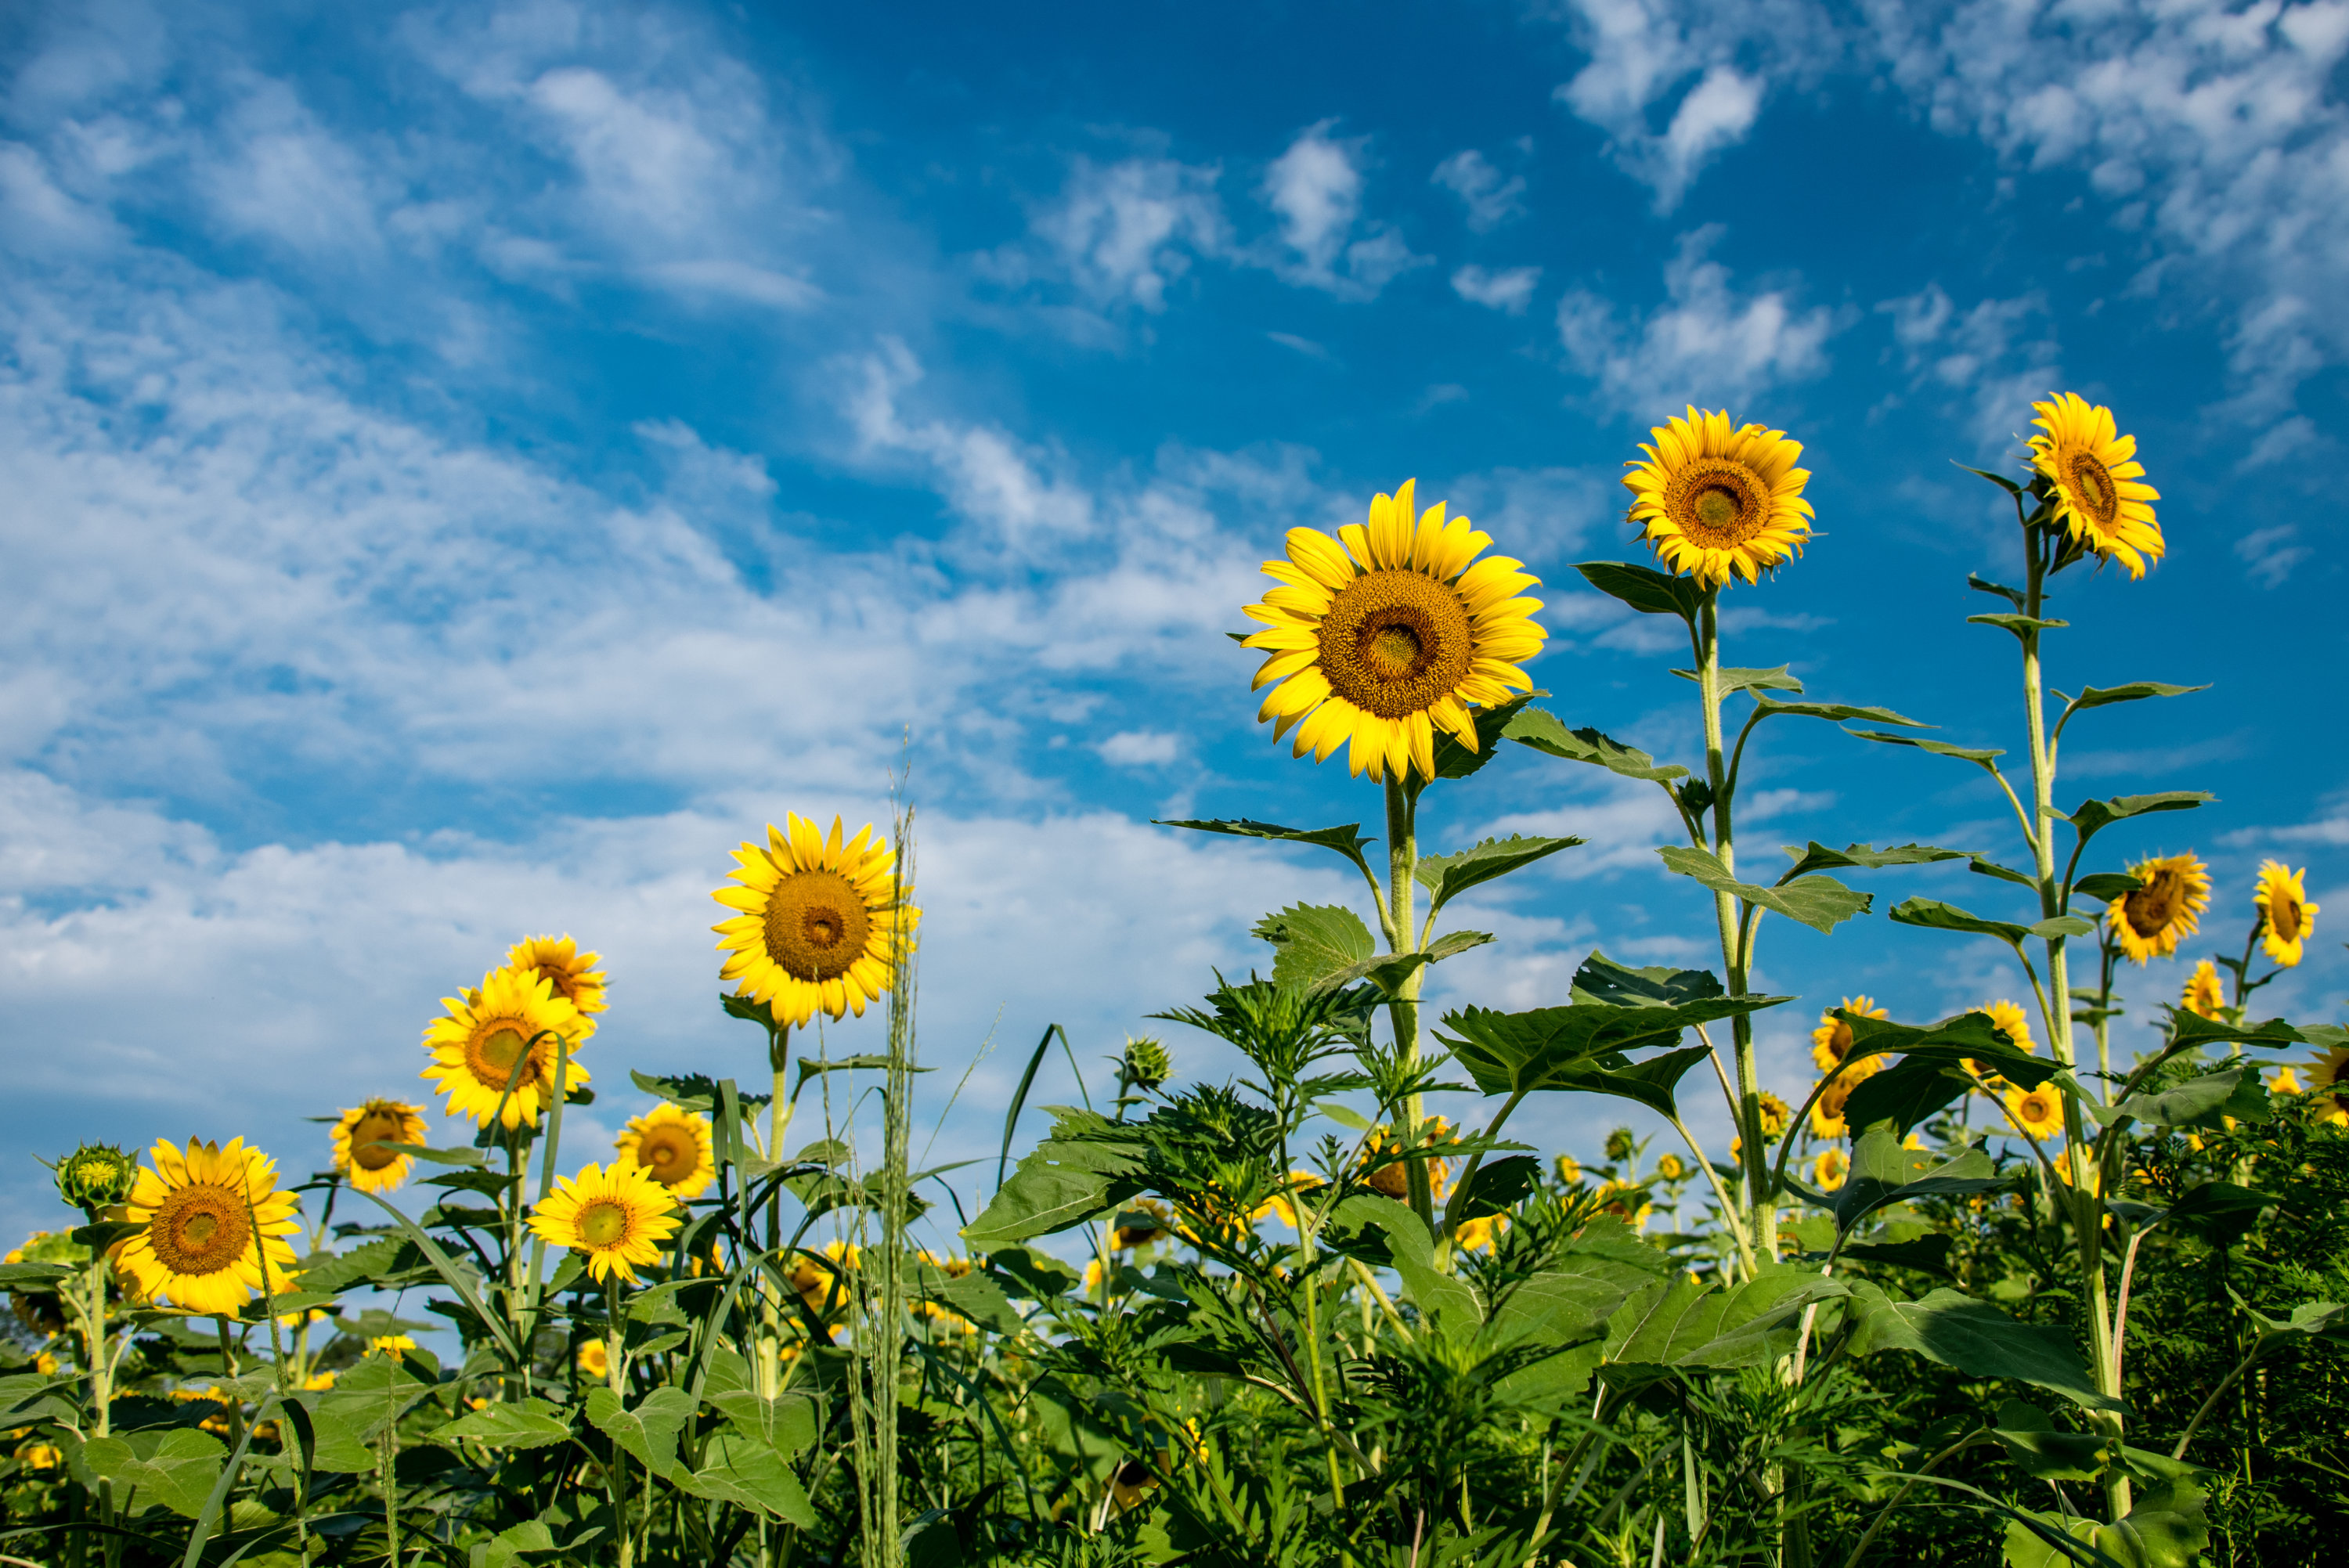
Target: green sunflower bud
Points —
{"points": [[1619, 1144], [95, 1176], [1147, 1064]]}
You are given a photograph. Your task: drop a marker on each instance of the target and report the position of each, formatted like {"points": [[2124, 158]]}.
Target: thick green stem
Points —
{"points": [[615, 1377], [1402, 867], [1761, 1214]]}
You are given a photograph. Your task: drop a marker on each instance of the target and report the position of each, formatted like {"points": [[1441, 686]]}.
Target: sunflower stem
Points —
{"points": [[615, 1377], [1402, 867], [1761, 1219], [526, 1328]]}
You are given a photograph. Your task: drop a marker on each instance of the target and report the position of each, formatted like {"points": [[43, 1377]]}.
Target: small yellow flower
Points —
{"points": [[2169, 905], [1775, 1115], [1569, 1170], [1826, 1111], [1830, 1170], [318, 1382], [40, 1456], [2039, 1112], [393, 1346], [1478, 1235], [2286, 916], [45, 1364], [573, 973], [2328, 1087], [592, 1360], [1831, 1041], [1283, 1205], [1670, 1168], [2204, 994], [360, 1140]]}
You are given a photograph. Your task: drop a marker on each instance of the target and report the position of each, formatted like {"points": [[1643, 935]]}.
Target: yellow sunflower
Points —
{"points": [[2285, 914], [501, 1035], [2100, 498], [1568, 1170], [1831, 1041], [674, 1145], [1775, 1115], [1387, 634], [2169, 905], [1671, 1167], [817, 931], [576, 978], [1138, 1232], [1718, 501], [1478, 1235], [2037, 1111], [360, 1137], [592, 1360], [2328, 1086], [2204, 993], [2286, 1081], [1830, 1170], [1826, 1111], [618, 1214], [209, 1215]]}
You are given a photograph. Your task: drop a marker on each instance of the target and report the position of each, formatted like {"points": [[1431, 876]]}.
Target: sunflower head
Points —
{"points": [[211, 1218], [1389, 633], [2091, 473], [2037, 1111], [592, 1360], [1826, 1111], [2328, 1087], [2286, 916], [1830, 1170], [1671, 1167], [95, 1176], [1775, 1115], [1141, 1223], [2205, 994], [360, 1140], [574, 974], [1568, 1169], [820, 926], [1831, 1041], [674, 1144], [1479, 1234], [2148, 922], [618, 1215], [497, 1046], [1718, 501]]}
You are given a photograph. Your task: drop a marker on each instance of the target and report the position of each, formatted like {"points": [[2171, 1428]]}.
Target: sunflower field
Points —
{"points": [[1980, 1291]]}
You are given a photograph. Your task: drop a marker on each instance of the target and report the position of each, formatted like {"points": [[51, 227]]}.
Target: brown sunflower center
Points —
{"points": [[2093, 492], [2283, 916], [2036, 1109], [670, 1153], [1839, 1043], [199, 1230], [373, 1131], [603, 1223], [499, 1054], [1395, 643], [817, 925], [1717, 503], [2150, 910]]}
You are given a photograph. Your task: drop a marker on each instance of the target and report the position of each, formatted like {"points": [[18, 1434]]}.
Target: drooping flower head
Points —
{"points": [[2285, 914], [1387, 634], [674, 1144], [499, 1042], [2205, 993], [2169, 905], [2038, 1111], [819, 921], [208, 1215], [2099, 489], [1718, 501], [576, 979], [360, 1138], [1831, 1041], [1826, 1111], [617, 1214]]}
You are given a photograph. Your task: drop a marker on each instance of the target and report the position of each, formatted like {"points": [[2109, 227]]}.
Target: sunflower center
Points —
{"points": [[668, 1153], [1839, 1043], [603, 1224], [1718, 504], [368, 1138], [499, 1056], [2150, 910], [2093, 489], [2284, 917], [1395, 643], [817, 925], [199, 1230]]}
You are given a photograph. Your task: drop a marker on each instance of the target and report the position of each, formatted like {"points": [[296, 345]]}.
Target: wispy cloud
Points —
{"points": [[1489, 198]]}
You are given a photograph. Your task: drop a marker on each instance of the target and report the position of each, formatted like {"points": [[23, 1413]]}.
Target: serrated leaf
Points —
{"points": [[1837, 712], [1646, 590], [1818, 902], [2043, 1453], [2193, 1029], [1937, 748], [1448, 876], [436, 1156], [1935, 916], [1450, 1304], [2061, 925], [1311, 940], [528, 1423], [1546, 732], [1388, 971], [1818, 857], [1346, 838], [33, 1276], [748, 1472], [1734, 680], [1453, 760], [1884, 1173], [691, 1091], [1498, 1184], [1579, 1048], [2232, 1091], [1601, 979], [1059, 1183], [647, 1432], [2134, 691], [2091, 816], [1974, 1337], [177, 1468]]}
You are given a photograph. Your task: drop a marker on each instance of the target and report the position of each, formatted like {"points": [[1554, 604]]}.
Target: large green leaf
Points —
{"points": [[529, 1423], [750, 1472], [1544, 731], [1835, 712], [1818, 857], [1883, 1173], [1819, 902], [1450, 1303], [510, 1545], [1935, 916], [2090, 817], [1453, 760], [2165, 1527], [1735, 680], [1937, 748], [1311, 940], [366, 1399], [2042, 1452], [1449, 876], [177, 1468], [1388, 971], [1346, 838], [2193, 1029], [648, 1432], [1906, 1094], [1580, 1046], [1974, 1337], [1645, 589], [1683, 1323], [2132, 691], [1601, 979], [2234, 1091], [1059, 1182]]}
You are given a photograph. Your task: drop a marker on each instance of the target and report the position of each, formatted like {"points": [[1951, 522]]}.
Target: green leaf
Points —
{"points": [[2043, 1453], [1388, 971], [2061, 925], [978, 1298], [1311, 940], [2089, 817], [2010, 487], [1906, 1093], [1544, 731], [2108, 886], [691, 1091], [372, 1395], [1601, 979], [2191, 1029], [2219, 1211], [1646, 590], [1935, 916], [1042, 1277], [510, 1545], [1734, 680], [1449, 876], [1755, 1322], [1450, 1304], [1974, 1337], [750, 1472], [1499, 1185], [1580, 1046], [1883, 1173], [2198, 1102], [1926, 1254], [1835, 712], [33, 1276], [529, 1423], [1987, 868], [2164, 1528], [177, 1468], [1937, 748], [1346, 838], [1058, 1183], [1818, 857], [436, 1156], [2018, 624], [1344, 1116], [2094, 696], [1820, 902], [649, 1432], [1453, 760]]}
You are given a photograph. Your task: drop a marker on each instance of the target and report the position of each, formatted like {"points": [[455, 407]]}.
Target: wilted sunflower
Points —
{"points": [[360, 1137], [2169, 905], [617, 1214], [1830, 1170], [576, 978], [1387, 634], [673, 1144], [208, 1216], [817, 931], [2100, 498], [1720, 501], [2205, 994], [2285, 914], [503, 1034], [2038, 1111], [1826, 1111], [1831, 1041]]}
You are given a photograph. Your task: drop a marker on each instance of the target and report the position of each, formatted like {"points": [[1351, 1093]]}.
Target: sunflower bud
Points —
{"points": [[95, 1176], [1147, 1064], [1618, 1144]]}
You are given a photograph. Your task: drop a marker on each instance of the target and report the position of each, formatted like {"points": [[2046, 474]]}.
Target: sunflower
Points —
{"points": [[1671, 1167], [210, 1217], [2099, 495], [618, 1214], [1720, 502], [1830, 1170], [818, 929], [1775, 1115], [1831, 1041], [391, 1347], [576, 978], [1826, 1111], [592, 1360], [360, 1137], [2286, 1081], [2039, 1112], [1392, 1180], [1387, 634], [1568, 1170], [674, 1145], [2169, 905], [1145, 1220], [1478, 1235], [499, 1041], [2204, 993], [2285, 914], [2328, 1086]]}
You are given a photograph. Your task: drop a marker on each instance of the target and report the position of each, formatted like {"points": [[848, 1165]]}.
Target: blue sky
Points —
{"points": [[469, 467]]}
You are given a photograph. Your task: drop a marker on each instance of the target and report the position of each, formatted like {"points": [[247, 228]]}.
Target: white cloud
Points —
{"points": [[1991, 360], [1140, 748], [1540, 514], [1127, 231], [1315, 187], [1707, 344], [1509, 289], [2269, 555], [1491, 200]]}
